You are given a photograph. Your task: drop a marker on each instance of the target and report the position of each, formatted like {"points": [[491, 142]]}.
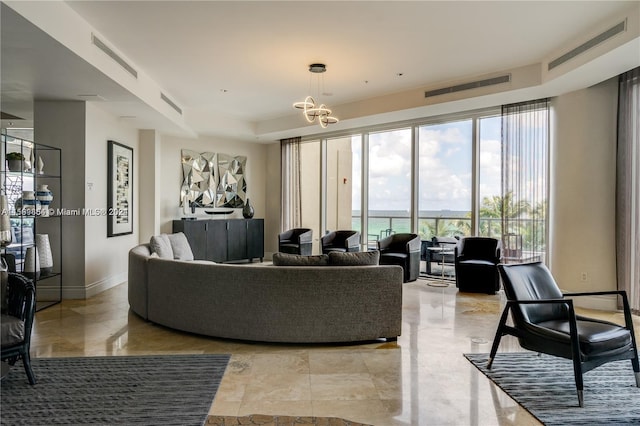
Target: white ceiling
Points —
{"points": [[234, 66]]}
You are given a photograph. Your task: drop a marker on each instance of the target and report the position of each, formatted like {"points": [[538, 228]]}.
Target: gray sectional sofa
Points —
{"points": [[295, 304]]}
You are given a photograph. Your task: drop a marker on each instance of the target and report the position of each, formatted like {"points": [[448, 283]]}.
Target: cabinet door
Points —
{"points": [[195, 231], [237, 239], [255, 238], [217, 240]]}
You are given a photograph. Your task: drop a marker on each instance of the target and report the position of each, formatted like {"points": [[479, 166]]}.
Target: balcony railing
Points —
{"points": [[431, 226]]}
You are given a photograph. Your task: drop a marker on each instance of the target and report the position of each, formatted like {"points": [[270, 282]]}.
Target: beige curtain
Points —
{"points": [[628, 187], [525, 148], [290, 185]]}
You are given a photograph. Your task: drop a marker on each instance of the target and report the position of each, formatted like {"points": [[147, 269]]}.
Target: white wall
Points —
{"points": [[582, 198], [91, 262], [258, 188], [149, 172], [62, 125], [106, 259], [273, 204]]}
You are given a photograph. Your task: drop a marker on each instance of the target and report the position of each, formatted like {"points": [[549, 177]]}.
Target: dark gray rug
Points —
{"points": [[127, 390], [544, 385]]}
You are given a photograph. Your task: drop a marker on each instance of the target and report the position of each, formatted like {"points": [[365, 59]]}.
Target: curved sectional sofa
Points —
{"points": [[295, 304]]}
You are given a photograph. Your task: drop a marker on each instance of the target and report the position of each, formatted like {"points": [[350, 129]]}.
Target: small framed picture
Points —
{"points": [[119, 189]]}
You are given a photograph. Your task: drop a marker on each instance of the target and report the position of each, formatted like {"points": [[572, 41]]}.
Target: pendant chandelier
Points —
{"points": [[309, 109]]}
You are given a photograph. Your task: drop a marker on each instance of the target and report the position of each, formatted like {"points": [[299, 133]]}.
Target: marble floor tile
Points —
{"points": [[278, 387], [342, 386]]}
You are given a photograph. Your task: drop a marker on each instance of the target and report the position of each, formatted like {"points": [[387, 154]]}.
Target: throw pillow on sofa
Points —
{"points": [[161, 245], [180, 246], [286, 259], [361, 258]]}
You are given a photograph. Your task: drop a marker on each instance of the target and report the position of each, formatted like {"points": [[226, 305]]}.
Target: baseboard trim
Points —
{"points": [[601, 303], [92, 289], [105, 284]]}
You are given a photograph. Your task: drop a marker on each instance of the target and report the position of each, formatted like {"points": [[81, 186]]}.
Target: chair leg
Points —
{"points": [[26, 361], [636, 370], [577, 372], [498, 337]]}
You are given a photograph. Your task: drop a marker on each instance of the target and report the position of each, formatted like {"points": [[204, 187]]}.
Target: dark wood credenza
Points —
{"points": [[224, 240]]}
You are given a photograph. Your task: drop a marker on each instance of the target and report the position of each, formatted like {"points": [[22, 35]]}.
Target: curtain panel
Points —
{"points": [[525, 153], [290, 183], [628, 187]]}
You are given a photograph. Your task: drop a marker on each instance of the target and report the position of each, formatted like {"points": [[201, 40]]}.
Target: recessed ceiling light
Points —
{"points": [[223, 90]]}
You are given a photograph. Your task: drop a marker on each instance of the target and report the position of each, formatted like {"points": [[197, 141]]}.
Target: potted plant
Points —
{"points": [[15, 161]]}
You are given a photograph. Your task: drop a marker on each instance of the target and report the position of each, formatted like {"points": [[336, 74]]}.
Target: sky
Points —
{"points": [[445, 166]]}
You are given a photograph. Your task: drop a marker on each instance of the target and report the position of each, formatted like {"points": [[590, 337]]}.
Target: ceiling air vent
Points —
{"points": [[106, 49], [171, 103], [613, 31], [467, 86]]}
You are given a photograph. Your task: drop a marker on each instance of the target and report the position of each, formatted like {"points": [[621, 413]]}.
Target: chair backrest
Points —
{"points": [[398, 242], [448, 242], [295, 233], [531, 281], [340, 238], [479, 248]]}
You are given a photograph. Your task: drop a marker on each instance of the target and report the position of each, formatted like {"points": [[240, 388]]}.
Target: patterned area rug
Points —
{"points": [[544, 385], [260, 419], [149, 390]]}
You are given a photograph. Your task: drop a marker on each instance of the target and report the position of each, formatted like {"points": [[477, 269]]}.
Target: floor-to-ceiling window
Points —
{"points": [[490, 176], [389, 195], [437, 177], [445, 179]]}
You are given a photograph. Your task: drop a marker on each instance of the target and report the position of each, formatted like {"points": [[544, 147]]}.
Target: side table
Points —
{"points": [[443, 251]]}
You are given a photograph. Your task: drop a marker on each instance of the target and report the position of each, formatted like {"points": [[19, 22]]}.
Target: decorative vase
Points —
{"points": [[15, 165], [44, 252], [40, 165], [27, 203], [44, 196], [31, 266], [247, 210]]}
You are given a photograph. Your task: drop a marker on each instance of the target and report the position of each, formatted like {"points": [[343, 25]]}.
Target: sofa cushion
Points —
{"points": [[286, 259], [361, 258], [160, 244], [180, 246], [12, 330]]}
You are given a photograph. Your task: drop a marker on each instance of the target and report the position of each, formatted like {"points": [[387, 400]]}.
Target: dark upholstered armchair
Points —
{"points": [[344, 241], [296, 241], [403, 250], [476, 264], [545, 321], [17, 322]]}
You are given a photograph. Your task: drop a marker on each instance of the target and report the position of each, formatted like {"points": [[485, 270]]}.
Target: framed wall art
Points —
{"points": [[119, 189]]}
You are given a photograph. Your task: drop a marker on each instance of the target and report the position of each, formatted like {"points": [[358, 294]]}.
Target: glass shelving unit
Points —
{"points": [[40, 165]]}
